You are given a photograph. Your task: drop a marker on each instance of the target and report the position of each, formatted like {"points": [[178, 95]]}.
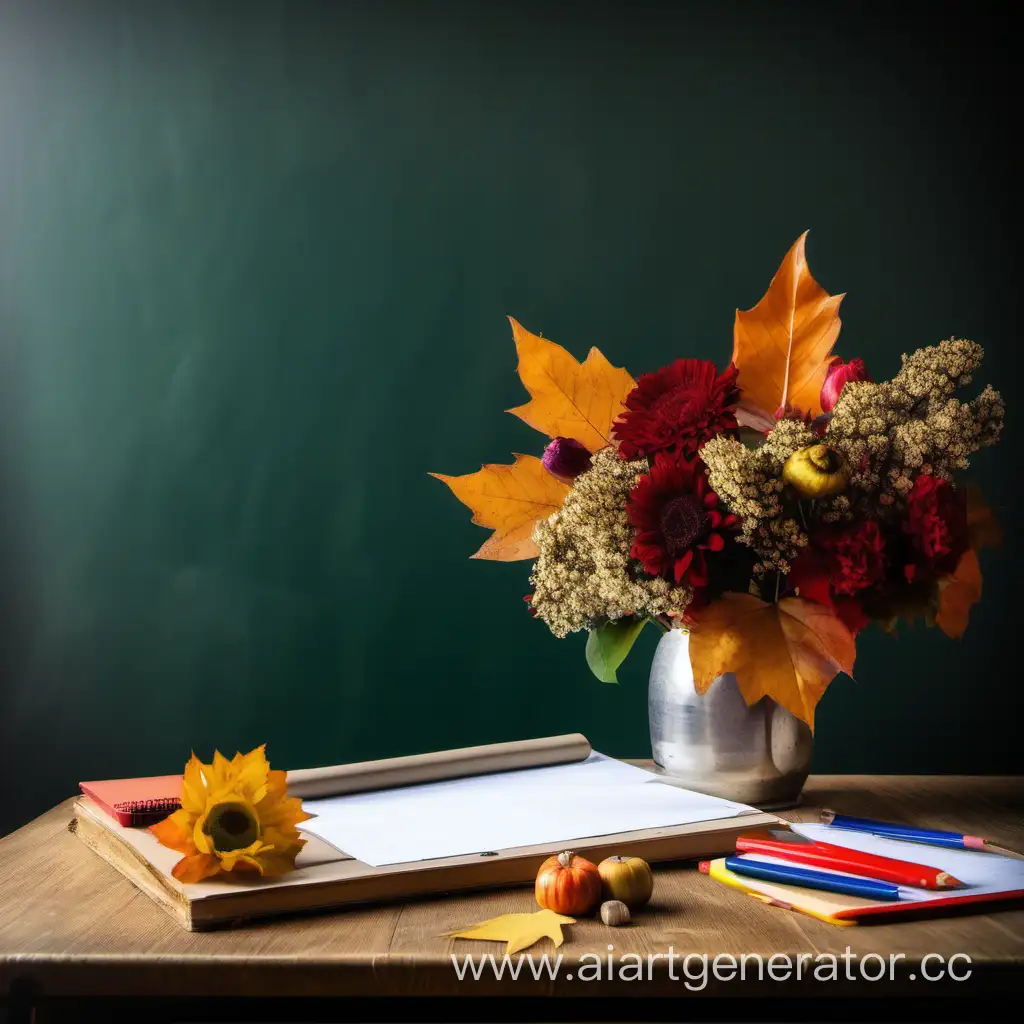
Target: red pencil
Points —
{"points": [[839, 858]]}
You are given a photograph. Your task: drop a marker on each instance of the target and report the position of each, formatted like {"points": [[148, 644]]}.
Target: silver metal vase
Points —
{"points": [[756, 754]]}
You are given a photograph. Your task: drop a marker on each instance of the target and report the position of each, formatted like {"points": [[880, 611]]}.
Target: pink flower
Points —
{"points": [[840, 374]]}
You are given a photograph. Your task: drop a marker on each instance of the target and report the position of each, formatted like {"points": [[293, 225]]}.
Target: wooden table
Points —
{"points": [[72, 928]]}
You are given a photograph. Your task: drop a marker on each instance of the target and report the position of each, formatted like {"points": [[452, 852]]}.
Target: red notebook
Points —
{"points": [[136, 803]]}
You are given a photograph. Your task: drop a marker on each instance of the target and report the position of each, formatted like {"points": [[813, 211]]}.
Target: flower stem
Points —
{"points": [[803, 515]]}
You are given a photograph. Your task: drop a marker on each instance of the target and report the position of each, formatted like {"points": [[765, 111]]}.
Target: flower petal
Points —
{"points": [[281, 861], [220, 772], [196, 868], [174, 833], [251, 774], [202, 841], [246, 863], [193, 788], [682, 564], [699, 570], [280, 812]]}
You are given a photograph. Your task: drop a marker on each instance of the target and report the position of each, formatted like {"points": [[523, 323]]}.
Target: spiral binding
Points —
{"points": [[148, 812]]}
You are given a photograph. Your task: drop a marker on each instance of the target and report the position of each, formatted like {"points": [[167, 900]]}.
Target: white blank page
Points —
{"points": [[559, 804]]}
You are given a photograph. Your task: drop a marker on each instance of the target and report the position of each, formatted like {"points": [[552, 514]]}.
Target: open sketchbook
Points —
{"points": [[986, 877], [487, 830]]}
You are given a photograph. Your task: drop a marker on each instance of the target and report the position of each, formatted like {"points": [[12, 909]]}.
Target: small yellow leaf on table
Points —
{"points": [[518, 931]]}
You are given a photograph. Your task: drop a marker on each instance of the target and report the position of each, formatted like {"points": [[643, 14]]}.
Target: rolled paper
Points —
{"points": [[416, 769]]}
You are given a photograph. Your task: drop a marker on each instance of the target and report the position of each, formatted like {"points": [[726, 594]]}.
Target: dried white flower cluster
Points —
{"points": [[584, 573], [891, 432], [748, 481]]}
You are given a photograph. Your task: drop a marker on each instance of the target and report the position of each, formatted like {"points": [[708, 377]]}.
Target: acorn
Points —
{"points": [[614, 913], [816, 472]]}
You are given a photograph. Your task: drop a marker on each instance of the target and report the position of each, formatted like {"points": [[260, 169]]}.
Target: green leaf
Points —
{"points": [[608, 645]]}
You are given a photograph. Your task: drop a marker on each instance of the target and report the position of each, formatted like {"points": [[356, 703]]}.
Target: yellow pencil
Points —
{"points": [[717, 870]]}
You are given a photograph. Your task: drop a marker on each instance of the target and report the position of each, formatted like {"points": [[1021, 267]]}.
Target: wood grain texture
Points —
{"points": [[72, 925]]}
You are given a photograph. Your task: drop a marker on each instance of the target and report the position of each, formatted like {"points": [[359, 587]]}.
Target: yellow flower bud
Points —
{"points": [[816, 472]]}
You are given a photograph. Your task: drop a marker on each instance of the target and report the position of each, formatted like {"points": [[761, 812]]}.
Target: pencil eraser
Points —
{"points": [[704, 866], [974, 843]]}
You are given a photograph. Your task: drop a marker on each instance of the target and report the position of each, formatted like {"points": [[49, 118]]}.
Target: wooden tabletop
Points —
{"points": [[71, 925]]}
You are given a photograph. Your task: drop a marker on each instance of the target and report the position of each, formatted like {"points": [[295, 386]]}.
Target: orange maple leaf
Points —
{"points": [[957, 593], [962, 588], [509, 500], [568, 398], [782, 346], [789, 651], [982, 526]]}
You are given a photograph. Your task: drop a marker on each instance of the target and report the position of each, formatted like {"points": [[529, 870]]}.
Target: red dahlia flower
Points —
{"points": [[839, 568], [936, 524], [677, 409], [854, 556], [677, 520]]}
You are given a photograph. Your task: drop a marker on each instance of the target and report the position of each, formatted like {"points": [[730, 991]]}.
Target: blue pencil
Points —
{"points": [[930, 836], [809, 878]]}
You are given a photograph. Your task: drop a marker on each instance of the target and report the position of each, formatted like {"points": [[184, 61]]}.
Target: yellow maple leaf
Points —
{"points": [[789, 651], [509, 500], [957, 592], [781, 347], [568, 398], [518, 931]]}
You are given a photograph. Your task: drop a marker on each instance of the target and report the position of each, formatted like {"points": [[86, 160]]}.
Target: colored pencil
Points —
{"points": [[716, 869], [841, 858], [789, 874], [907, 833]]}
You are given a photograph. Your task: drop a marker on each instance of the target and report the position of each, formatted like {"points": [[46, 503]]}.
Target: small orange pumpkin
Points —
{"points": [[568, 884], [628, 879]]}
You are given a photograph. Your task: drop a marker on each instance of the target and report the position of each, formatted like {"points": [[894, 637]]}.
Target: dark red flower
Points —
{"points": [[936, 524], [838, 376], [811, 578], [677, 520], [677, 409], [854, 555]]}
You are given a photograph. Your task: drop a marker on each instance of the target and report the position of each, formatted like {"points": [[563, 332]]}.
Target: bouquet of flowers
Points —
{"points": [[774, 509]]}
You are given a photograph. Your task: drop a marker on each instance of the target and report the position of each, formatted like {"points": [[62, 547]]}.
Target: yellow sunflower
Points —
{"points": [[235, 816]]}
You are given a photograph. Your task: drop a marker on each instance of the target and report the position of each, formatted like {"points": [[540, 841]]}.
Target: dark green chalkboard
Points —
{"points": [[255, 264]]}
